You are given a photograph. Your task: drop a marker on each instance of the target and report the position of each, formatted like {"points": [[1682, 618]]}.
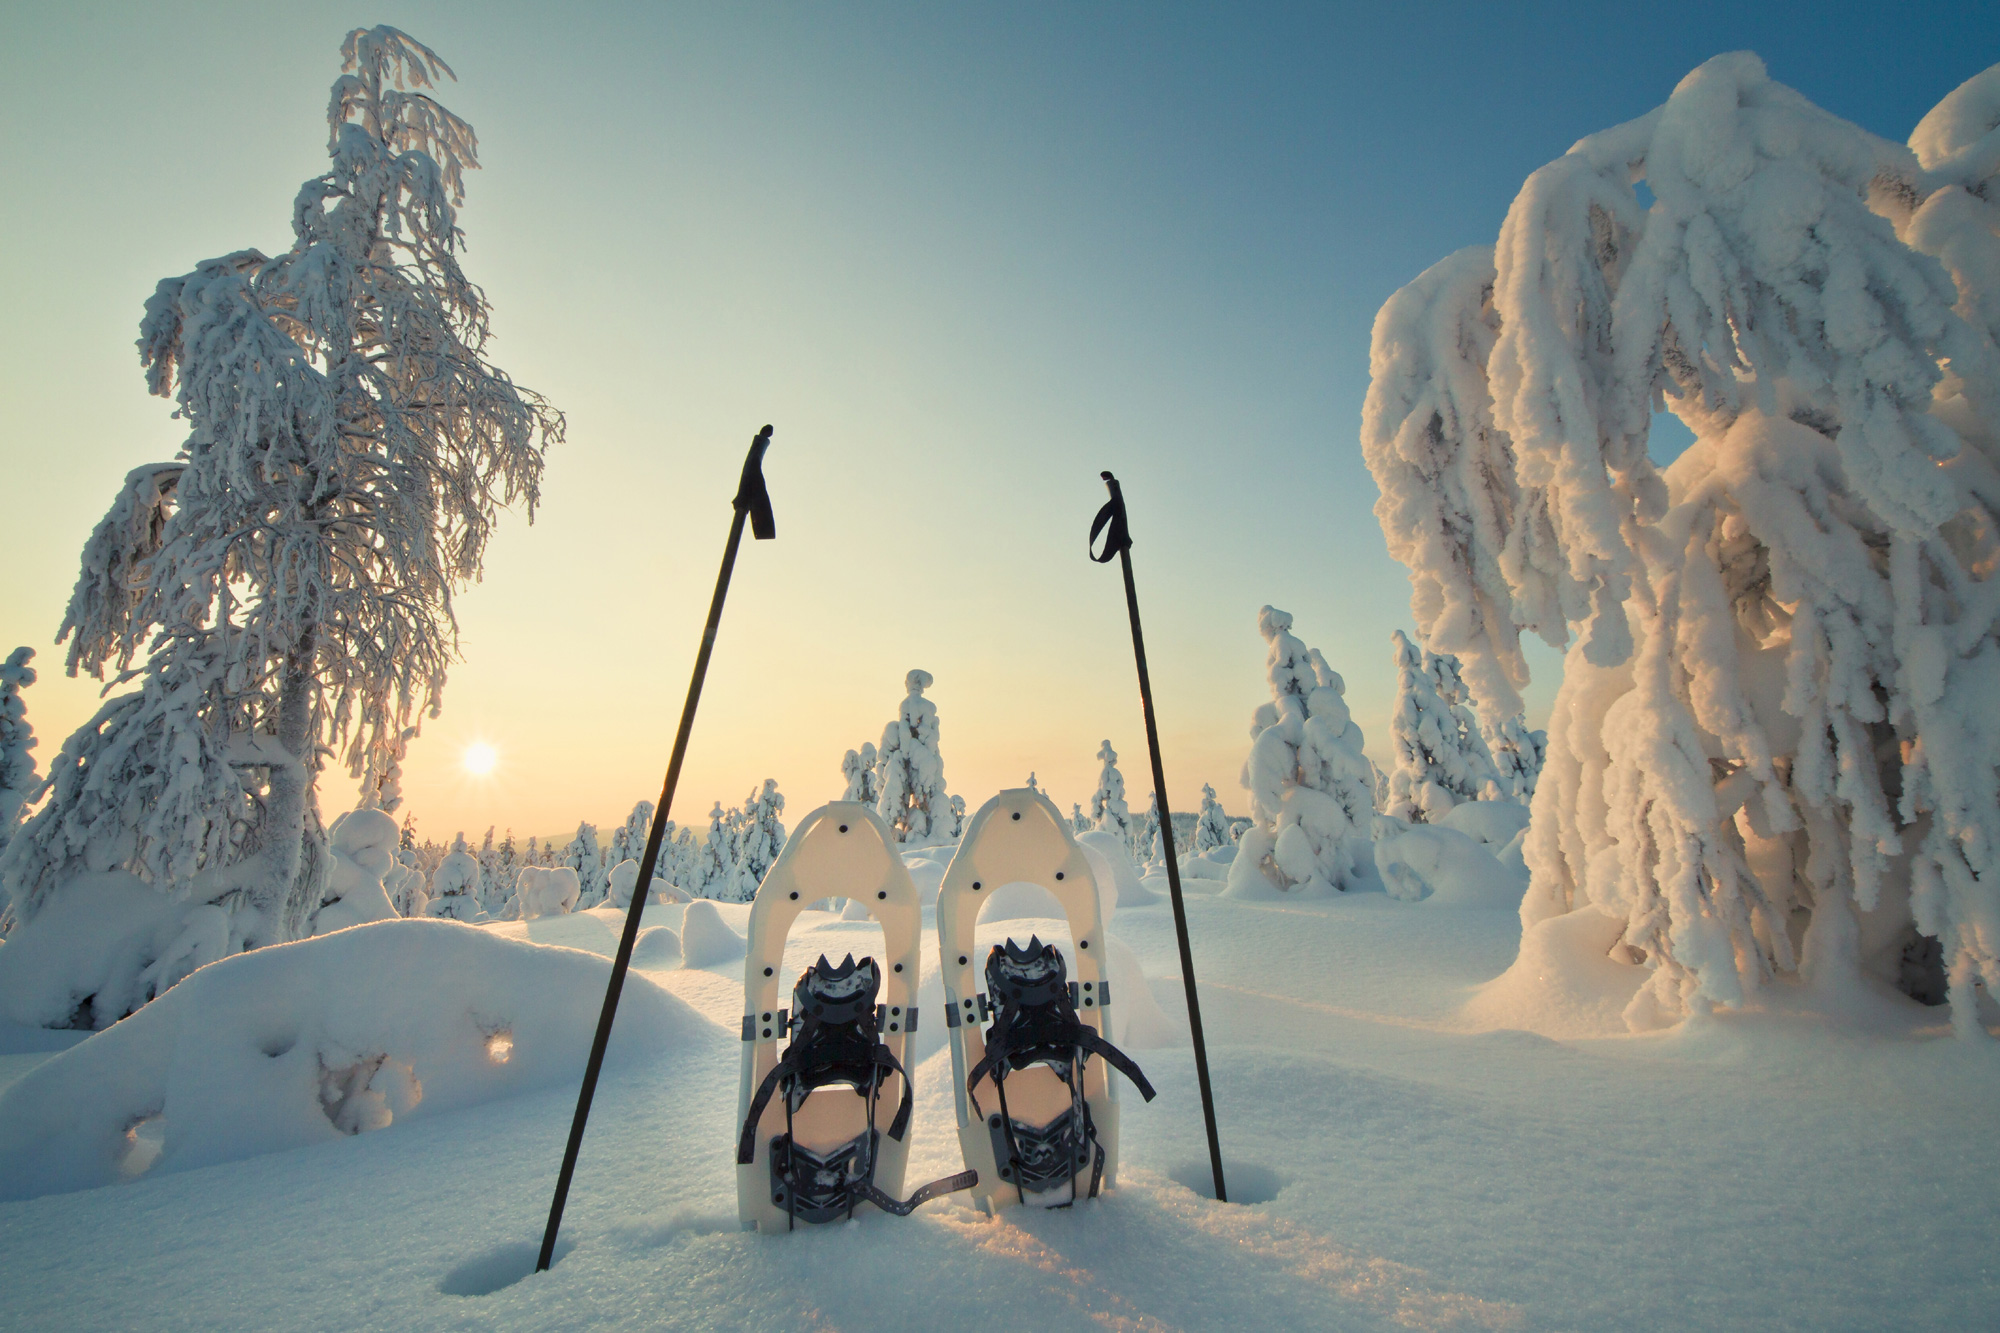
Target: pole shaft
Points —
{"points": [[640, 891], [1173, 877]]}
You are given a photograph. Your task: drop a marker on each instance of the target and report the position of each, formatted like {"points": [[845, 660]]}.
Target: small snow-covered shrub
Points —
{"points": [[1439, 865], [308, 1042], [455, 884], [363, 843], [1108, 812]]}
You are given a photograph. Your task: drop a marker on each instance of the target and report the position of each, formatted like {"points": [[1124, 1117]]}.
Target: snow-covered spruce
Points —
{"points": [[17, 766], [857, 768], [363, 843], [1775, 744], [1440, 759], [455, 884], [282, 590], [586, 858], [909, 771], [1108, 812], [763, 833], [1311, 798], [1211, 827]]}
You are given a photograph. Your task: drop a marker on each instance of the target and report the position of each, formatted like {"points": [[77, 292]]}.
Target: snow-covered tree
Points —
{"points": [[1311, 801], [857, 768], [1440, 759], [586, 858], [1079, 822], [17, 766], [382, 782], [1779, 705], [628, 840], [282, 591], [909, 771], [1518, 754], [763, 834], [715, 865], [1107, 804], [1211, 826], [1145, 843], [455, 884]]}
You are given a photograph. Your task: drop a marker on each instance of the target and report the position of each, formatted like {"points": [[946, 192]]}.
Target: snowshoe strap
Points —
{"points": [[746, 1146], [1088, 1039], [866, 1189]]}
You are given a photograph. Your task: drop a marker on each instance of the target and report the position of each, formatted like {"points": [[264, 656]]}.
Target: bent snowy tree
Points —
{"points": [[283, 589], [1775, 745]]}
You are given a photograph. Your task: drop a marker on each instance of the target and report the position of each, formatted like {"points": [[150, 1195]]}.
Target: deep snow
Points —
{"points": [[1398, 1166]]}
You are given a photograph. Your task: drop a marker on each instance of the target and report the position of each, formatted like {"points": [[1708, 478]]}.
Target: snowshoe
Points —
{"points": [[819, 1139], [1037, 1117]]}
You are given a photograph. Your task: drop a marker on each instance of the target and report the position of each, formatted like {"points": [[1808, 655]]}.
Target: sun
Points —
{"points": [[480, 759]]}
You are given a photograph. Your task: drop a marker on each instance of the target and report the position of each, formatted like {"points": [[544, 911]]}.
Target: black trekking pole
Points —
{"points": [[1118, 542], [754, 502]]}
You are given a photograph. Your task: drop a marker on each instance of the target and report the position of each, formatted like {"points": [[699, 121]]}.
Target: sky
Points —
{"points": [[962, 258]]}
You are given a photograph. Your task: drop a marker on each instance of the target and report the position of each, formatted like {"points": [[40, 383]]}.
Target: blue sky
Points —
{"points": [[963, 257]]}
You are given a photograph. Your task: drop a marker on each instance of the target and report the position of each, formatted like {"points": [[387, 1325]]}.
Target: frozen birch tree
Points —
{"points": [[1774, 749], [1440, 759], [1108, 812], [1211, 826], [282, 591], [909, 770], [857, 767], [1311, 799], [17, 766]]}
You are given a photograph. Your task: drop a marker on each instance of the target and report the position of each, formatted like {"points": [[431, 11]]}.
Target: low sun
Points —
{"points": [[480, 759]]}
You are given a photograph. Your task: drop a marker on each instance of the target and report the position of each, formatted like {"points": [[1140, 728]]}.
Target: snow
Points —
{"points": [[1424, 1134], [706, 939], [311, 1042]]}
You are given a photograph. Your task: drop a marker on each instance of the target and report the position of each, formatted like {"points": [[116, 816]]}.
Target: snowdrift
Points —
{"points": [[309, 1042]]}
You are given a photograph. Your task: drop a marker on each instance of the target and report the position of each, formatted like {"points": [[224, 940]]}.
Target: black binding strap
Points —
{"points": [[964, 1180]]}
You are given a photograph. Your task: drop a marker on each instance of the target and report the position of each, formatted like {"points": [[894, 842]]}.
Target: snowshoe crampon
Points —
{"points": [[824, 1124], [1037, 1116]]}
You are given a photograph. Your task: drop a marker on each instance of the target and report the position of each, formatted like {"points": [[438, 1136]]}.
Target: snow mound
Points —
{"points": [[1113, 868], [306, 1043], [103, 945], [657, 947], [706, 939], [927, 873], [547, 892], [1493, 823], [1442, 867], [1563, 983]]}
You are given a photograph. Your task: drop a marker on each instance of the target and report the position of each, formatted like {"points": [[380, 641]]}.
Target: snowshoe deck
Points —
{"points": [[1037, 1117], [829, 1130]]}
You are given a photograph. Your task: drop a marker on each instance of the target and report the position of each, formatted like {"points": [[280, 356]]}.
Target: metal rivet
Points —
{"points": [[1017, 814], [1081, 944], [961, 963], [795, 893], [894, 1009], [767, 971], [881, 893], [899, 967], [766, 1018], [843, 828], [767, 1032], [994, 1120], [975, 885], [1059, 874]]}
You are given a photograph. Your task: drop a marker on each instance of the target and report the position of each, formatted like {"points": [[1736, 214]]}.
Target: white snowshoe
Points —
{"points": [[813, 1144], [1037, 1117]]}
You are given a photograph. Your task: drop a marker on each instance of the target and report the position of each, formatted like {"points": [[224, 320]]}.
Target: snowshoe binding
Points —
{"points": [[813, 1145], [1035, 1024], [1049, 1135]]}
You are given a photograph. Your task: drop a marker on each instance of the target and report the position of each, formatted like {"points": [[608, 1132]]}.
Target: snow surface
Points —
{"points": [[1421, 1136]]}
